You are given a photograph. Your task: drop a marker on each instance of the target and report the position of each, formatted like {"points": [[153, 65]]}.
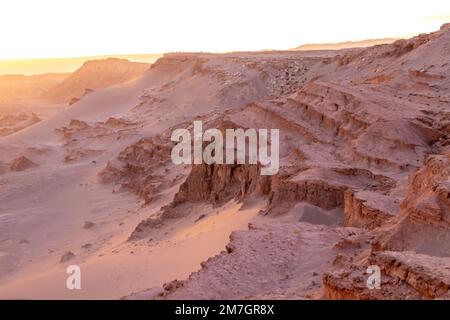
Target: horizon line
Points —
{"points": [[404, 36]]}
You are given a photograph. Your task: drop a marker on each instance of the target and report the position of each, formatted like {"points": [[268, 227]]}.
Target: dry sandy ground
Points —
{"points": [[113, 268]]}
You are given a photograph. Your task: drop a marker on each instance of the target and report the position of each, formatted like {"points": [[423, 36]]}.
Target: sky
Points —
{"points": [[72, 28]]}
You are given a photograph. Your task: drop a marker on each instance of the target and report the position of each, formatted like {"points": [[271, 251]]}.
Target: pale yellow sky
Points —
{"points": [[70, 28]]}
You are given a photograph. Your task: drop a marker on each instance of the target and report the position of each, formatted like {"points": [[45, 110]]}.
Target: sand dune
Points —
{"points": [[176, 251]]}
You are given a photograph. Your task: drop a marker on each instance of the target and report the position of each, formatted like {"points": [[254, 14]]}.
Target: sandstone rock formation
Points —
{"points": [[368, 209], [423, 224], [138, 167]]}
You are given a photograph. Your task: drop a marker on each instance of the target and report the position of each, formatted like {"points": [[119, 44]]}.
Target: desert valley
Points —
{"points": [[86, 176]]}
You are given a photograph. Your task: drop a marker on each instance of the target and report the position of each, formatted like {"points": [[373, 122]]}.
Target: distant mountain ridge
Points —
{"points": [[28, 87], [345, 44], [65, 87], [63, 65], [96, 74]]}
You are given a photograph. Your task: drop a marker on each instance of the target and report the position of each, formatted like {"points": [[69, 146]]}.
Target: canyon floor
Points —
{"points": [[364, 178]]}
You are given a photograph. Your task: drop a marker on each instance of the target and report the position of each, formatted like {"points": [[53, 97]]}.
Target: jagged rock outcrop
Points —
{"points": [[285, 193], [428, 275], [220, 182], [428, 197], [22, 163], [348, 281], [80, 137], [411, 250], [322, 187], [135, 167], [214, 184], [404, 275], [74, 155], [424, 221], [67, 256], [13, 122], [368, 209]]}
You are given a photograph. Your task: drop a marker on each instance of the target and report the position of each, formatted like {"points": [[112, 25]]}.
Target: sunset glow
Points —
{"points": [[51, 28]]}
